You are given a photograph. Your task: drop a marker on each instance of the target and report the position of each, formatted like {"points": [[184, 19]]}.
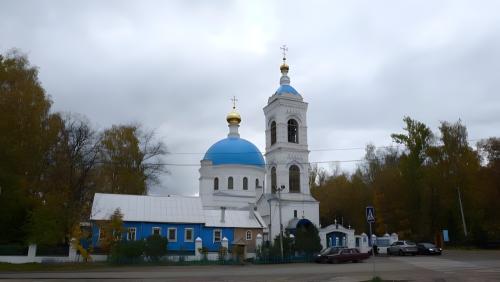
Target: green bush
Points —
{"points": [[156, 247], [204, 253], [307, 240], [127, 251], [222, 253]]}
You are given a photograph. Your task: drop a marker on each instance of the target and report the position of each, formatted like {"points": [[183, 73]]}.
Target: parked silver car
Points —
{"points": [[402, 248]]}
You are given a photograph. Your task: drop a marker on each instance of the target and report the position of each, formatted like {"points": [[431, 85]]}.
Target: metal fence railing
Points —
{"points": [[57, 250], [13, 250]]}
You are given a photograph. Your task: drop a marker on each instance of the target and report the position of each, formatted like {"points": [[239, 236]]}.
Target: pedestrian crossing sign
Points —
{"points": [[370, 214]]}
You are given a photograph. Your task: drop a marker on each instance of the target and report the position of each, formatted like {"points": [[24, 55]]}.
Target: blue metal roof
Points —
{"points": [[234, 150], [286, 89]]}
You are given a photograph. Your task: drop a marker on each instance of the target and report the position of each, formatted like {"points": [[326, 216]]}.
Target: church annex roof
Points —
{"points": [[171, 209], [233, 218], [234, 150], [179, 209]]}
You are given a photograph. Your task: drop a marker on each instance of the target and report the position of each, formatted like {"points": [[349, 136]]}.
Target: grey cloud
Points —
{"points": [[173, 66]]}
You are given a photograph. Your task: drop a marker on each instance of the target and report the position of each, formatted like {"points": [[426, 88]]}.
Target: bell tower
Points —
{"points": [[286, 202], [287, 154]]}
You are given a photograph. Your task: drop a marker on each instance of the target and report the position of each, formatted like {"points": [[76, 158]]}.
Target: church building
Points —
{"points": [[243, 194], [234, 175]]}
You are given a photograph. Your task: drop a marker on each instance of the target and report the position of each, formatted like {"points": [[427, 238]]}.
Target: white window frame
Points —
{"points": [[99, 236], [249, 232], [168, 234], [220, 236], [129, 230], [153, 230], [185, 235]]}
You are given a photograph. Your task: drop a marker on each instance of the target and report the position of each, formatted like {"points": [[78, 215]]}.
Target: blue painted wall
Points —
{"points": [[145, 229], [208, 237]]}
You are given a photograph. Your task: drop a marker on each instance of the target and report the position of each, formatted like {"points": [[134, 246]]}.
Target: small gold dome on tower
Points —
{"points": [[233, 117], [284, 66]]}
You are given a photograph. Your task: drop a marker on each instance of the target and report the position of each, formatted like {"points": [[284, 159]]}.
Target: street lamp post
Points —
{"points": [[281, 225]]}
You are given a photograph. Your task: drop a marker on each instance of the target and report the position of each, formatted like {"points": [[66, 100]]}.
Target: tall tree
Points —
{"points": [[488, 190], [459, 164], [67, 187], [27, 136], [417, 140], [130, 160]]}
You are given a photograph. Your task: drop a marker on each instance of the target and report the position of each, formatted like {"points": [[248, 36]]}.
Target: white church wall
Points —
{"points": [[236, 197], [309, 210]]}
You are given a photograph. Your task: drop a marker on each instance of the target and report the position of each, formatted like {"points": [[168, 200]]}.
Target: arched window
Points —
{"points": [[249, 235], [273, 180], [245, 183], [216, 183], [256, 183], [273, 132], [230, 183], [294, 179], [293, 131]]}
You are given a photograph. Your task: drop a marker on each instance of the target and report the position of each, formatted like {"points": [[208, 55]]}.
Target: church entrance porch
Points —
{"points": [[296, 223], [336, 239], [336, 235]]}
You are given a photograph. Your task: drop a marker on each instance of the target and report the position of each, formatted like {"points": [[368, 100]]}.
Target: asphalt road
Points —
{"points": [[452, 266]]}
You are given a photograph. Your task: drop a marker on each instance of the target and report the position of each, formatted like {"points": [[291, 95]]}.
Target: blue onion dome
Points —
{"points": [[286, 89], [234, 150]]}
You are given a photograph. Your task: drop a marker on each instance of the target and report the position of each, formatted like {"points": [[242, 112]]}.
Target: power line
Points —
{"points": [[311, 150], [273, 164]]}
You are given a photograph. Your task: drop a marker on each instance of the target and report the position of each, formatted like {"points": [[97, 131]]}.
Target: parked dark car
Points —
{"points": [[402, 248], [322, 257], [428, 249], [337, 255]]}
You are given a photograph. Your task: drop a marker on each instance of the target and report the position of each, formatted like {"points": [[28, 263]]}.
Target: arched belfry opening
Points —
{"points": [[273, 132], [293, 131], [294, 179]]}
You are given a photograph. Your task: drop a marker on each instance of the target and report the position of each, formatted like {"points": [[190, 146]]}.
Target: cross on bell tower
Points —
{"points": [[284, 49], [234, 100]]}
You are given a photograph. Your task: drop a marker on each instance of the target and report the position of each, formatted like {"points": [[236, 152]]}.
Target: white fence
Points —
{"points": [[73, 256]]}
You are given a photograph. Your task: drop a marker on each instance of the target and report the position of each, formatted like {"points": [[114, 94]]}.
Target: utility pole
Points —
{"points": [[453, 172], [462, 210], [281, 225]]}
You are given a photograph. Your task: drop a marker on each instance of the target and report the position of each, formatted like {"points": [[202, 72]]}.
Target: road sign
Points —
{"points": [[446, 237], [370, 214]]}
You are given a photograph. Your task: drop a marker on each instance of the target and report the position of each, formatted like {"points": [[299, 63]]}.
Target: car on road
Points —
{"points": [[428, 249], [337, 255], [322, 257], [402, 248]]}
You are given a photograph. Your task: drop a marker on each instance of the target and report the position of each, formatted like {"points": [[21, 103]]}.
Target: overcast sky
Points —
{"points": [[174, 65]]}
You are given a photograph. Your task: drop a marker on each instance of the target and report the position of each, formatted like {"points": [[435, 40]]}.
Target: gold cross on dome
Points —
{"points": [[284, 49], [234, 100]]}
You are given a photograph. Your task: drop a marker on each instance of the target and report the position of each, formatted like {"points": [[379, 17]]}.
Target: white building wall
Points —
{"points": [[236, 197], [309, 210], [282, 155]]}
